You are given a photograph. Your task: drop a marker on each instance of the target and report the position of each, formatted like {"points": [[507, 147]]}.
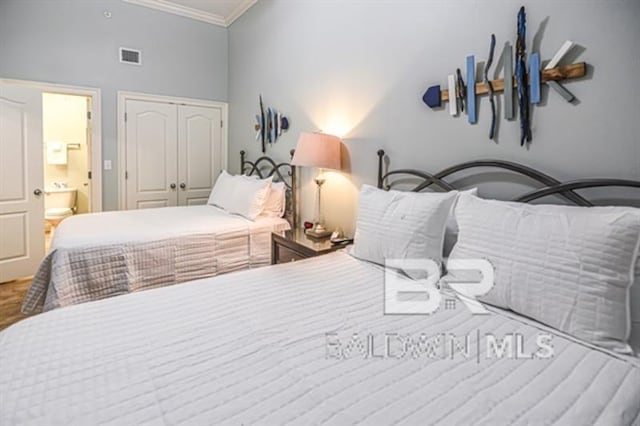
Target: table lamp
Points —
{"points": [[323, 152]]}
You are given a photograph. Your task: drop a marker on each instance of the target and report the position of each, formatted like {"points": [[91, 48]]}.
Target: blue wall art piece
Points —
{"points": [[270, 124], [471, 93], [522, 82], [522, 78], [534, 83]]}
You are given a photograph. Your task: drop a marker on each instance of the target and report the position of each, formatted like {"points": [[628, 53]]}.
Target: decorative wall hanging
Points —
{"points": [[507, 60], [526, 82], [489, 86], [270, 125], [471, 94], [521, 77], [568, 96], [462, 89]]}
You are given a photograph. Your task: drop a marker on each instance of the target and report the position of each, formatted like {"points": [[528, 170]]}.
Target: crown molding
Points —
{"points": [[187, 12], [239, 11]]}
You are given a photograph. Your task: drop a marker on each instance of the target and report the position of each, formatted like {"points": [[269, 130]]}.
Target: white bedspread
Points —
{"points": [[95, 256], [250, 348]]}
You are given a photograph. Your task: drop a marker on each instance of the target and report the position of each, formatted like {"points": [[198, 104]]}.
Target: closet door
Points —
{"points": [[151, 149], [199, 152]]}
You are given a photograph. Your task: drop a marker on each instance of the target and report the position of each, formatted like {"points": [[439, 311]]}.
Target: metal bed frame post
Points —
{"points": [[380, 159], [250, 168], [294, 190]]}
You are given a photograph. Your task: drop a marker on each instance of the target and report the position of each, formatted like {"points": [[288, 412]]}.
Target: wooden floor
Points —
{"points": [[12, 293], [11, 296]]}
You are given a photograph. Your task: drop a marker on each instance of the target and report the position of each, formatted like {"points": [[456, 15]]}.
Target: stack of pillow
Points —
{"points": [[248, 196], [571, 268]]}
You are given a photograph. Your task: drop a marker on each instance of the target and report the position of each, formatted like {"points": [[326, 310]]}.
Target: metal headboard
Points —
{"points": [[551, 186], [265, 167]]}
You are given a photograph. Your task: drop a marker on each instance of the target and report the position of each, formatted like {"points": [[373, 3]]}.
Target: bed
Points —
{"points": [[301, 343], [106, 254], [251, 348]]}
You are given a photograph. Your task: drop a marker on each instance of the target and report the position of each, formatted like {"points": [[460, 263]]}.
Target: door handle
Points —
{"points": [[172, 186], [37, 192], [183, 186]]}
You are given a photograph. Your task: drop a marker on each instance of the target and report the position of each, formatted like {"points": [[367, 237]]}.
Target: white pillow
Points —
{"points": [[222, 191], [451, 233], [401, 225], [276, 201], [240, 194], [568, 267]]}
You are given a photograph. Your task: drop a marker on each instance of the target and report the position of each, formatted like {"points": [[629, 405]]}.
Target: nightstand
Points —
{"points": [[295, 245]]}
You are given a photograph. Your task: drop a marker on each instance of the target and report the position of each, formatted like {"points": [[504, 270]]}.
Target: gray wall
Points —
{"points": [[71, 42], [359, 68]]}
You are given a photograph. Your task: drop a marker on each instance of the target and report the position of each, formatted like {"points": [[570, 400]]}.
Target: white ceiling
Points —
{"points": [[218, 12]]}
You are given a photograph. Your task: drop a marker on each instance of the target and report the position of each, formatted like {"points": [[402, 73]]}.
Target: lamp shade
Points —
{"points": [[317, 150]]}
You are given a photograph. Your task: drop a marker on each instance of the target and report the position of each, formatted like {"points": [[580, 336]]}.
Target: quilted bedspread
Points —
{"points": [[301, 343], [101, 255]]}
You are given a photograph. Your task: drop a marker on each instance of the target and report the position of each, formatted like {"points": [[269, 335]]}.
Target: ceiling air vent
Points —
{"points": [[130, 56]]}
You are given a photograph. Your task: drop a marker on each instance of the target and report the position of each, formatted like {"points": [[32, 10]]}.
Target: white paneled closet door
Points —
{"points": [[199, 152], [21, 179], [151, 151], [173, 153]]}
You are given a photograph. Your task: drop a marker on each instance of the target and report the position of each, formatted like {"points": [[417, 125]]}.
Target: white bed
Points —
{"points": [[250, 348], [107, 254]]}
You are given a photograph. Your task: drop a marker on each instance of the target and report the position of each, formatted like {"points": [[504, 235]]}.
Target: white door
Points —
{"points": [[151, 151], [21, 179], [199, 152]]}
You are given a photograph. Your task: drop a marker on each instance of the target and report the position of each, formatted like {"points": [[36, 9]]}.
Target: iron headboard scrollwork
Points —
{"points": [[265, 167], [551, 186]]}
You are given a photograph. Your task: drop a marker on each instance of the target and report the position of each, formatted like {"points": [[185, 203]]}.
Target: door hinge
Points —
{"points": [[126, 175], [125, 117], [88, 115], [221, 123], [89, 174]]}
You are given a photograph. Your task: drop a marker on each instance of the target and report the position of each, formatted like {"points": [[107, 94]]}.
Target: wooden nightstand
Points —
{"points": [[295, 245]]}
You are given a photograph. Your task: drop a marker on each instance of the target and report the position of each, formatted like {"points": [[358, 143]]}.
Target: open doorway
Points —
{"points": [[66, 131], [22, 183]]}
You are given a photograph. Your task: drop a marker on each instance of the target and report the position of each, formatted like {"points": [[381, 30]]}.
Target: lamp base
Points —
{"points": [[317, 233]]}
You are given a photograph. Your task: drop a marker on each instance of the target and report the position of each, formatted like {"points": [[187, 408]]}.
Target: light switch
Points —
{"points": [[107, 164]]}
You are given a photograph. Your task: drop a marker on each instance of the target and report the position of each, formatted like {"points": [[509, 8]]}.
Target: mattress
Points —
{"points": [[100, 255], [259, 347]]}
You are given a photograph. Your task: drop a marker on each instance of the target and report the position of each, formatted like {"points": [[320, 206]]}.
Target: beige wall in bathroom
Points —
{"points": [[65, 120]]}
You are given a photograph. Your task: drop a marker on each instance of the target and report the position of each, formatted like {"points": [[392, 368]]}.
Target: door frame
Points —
{"points": [[124, 96], [96, 128]]}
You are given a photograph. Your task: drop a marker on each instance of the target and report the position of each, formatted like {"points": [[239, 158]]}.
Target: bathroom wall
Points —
{"points": [[64, 119], [359, 68]]}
